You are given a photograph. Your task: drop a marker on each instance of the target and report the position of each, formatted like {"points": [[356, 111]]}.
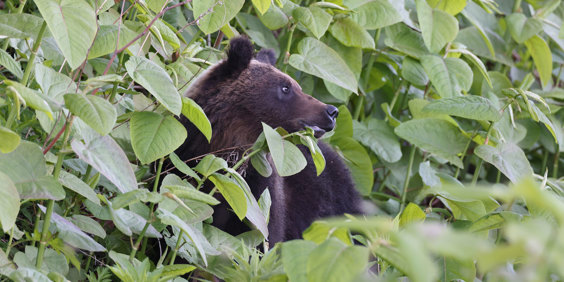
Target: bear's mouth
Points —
{"points": [[318, 132]]}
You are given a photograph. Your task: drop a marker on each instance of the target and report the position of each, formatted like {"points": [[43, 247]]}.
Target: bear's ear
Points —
{"points": [[267, 56], [239, 55]]}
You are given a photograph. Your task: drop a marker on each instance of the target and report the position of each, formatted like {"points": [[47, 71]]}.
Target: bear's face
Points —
{"points": [[276, 99]]}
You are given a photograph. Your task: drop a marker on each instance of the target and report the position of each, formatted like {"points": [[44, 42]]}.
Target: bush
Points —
{"points": [[450, 123]]}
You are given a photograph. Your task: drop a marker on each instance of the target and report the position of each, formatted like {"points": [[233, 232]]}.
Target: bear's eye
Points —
{"points": [[285, 89]]}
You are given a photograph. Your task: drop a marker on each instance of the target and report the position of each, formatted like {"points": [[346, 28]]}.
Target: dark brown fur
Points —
{"points": [[237, 95]]}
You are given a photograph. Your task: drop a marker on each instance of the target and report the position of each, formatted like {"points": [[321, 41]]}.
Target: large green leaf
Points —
{"points": [[449, 76], [156, 81], [523, 28], [351, 34], [10, 64], [335, 261], [318, 59], [78, 186], [20, 25], [541, 56], [72, 235], [107, 39], [73, 24], [9, 202], [438, 27], [262, 5], [413, 72], [26, 168], [53, 84], [31, 97], [88, 225], [452, 7], [470, 106], [404, 39], [258, 32], [288, 159], [358, 161], [221, 13], [105, 155], [314, 18], [232, 193], [376, 14], [10, 140], [380, 137], [294, 257], [95, 111], [508, 158], [154, 136], [437, 136]]}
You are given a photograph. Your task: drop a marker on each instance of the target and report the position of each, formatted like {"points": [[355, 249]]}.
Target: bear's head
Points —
{"points": [[240, 92]]}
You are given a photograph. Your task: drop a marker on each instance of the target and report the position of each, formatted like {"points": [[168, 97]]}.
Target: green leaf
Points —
{"points": [[508, 158], [335, 261], [274, 18], [31, 97], [351, 34], [10, 140], [313, 18], [404, 39], [411, 213], [344, 124], [232, 194], [53, 84], [452, 7], [294, 257], [171, 272], [288, 159], [259, 33], [155, 79], [541, 56], [9, 202], [107, 39], [193, 234], [380, 137], [414, 72], [316, 154], [461, 210], [470, 106], [261, 5], [27, 169], [523, 28], [105, 155], [428, 174], [320, 231], [78, 186], [154, 136], [221, 13], [261, 164], [186, 192], [10, 64], [73, 25], [209, 165], [449, 76], [316, 58], [437, 136], [95, 111], [438, 27], [20, 25], [88, 225], [375, 14], [72, 235], [359, 163], [183, 167]]}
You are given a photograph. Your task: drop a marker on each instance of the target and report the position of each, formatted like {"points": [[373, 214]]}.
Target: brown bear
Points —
{"points": [[239, 93]]}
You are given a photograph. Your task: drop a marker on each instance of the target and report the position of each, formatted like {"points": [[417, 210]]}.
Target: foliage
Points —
{"points": [[450, 122]]}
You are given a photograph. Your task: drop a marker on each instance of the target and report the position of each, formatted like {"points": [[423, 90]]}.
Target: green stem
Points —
{"points": [[516, 6], [135, 247], [87, 173], [245, 158], [114, 89], [14, 109], [51, 203], [288, 45], [556, 160], [31, 60], [544, 161], [10, 241], [177, 247], [88, 262], [464, 153], [407, 177]]}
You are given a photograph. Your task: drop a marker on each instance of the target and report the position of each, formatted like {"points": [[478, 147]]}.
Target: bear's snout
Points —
{"points": [[332, 112]]}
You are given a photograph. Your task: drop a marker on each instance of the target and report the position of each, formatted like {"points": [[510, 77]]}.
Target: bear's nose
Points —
{"points": [[332, 111]]}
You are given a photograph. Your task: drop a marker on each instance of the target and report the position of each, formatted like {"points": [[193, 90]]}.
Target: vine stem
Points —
{"points": [[177, 247], [142, 234], [51, 203], [287, 51], [407, 177], [36, 45]]}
